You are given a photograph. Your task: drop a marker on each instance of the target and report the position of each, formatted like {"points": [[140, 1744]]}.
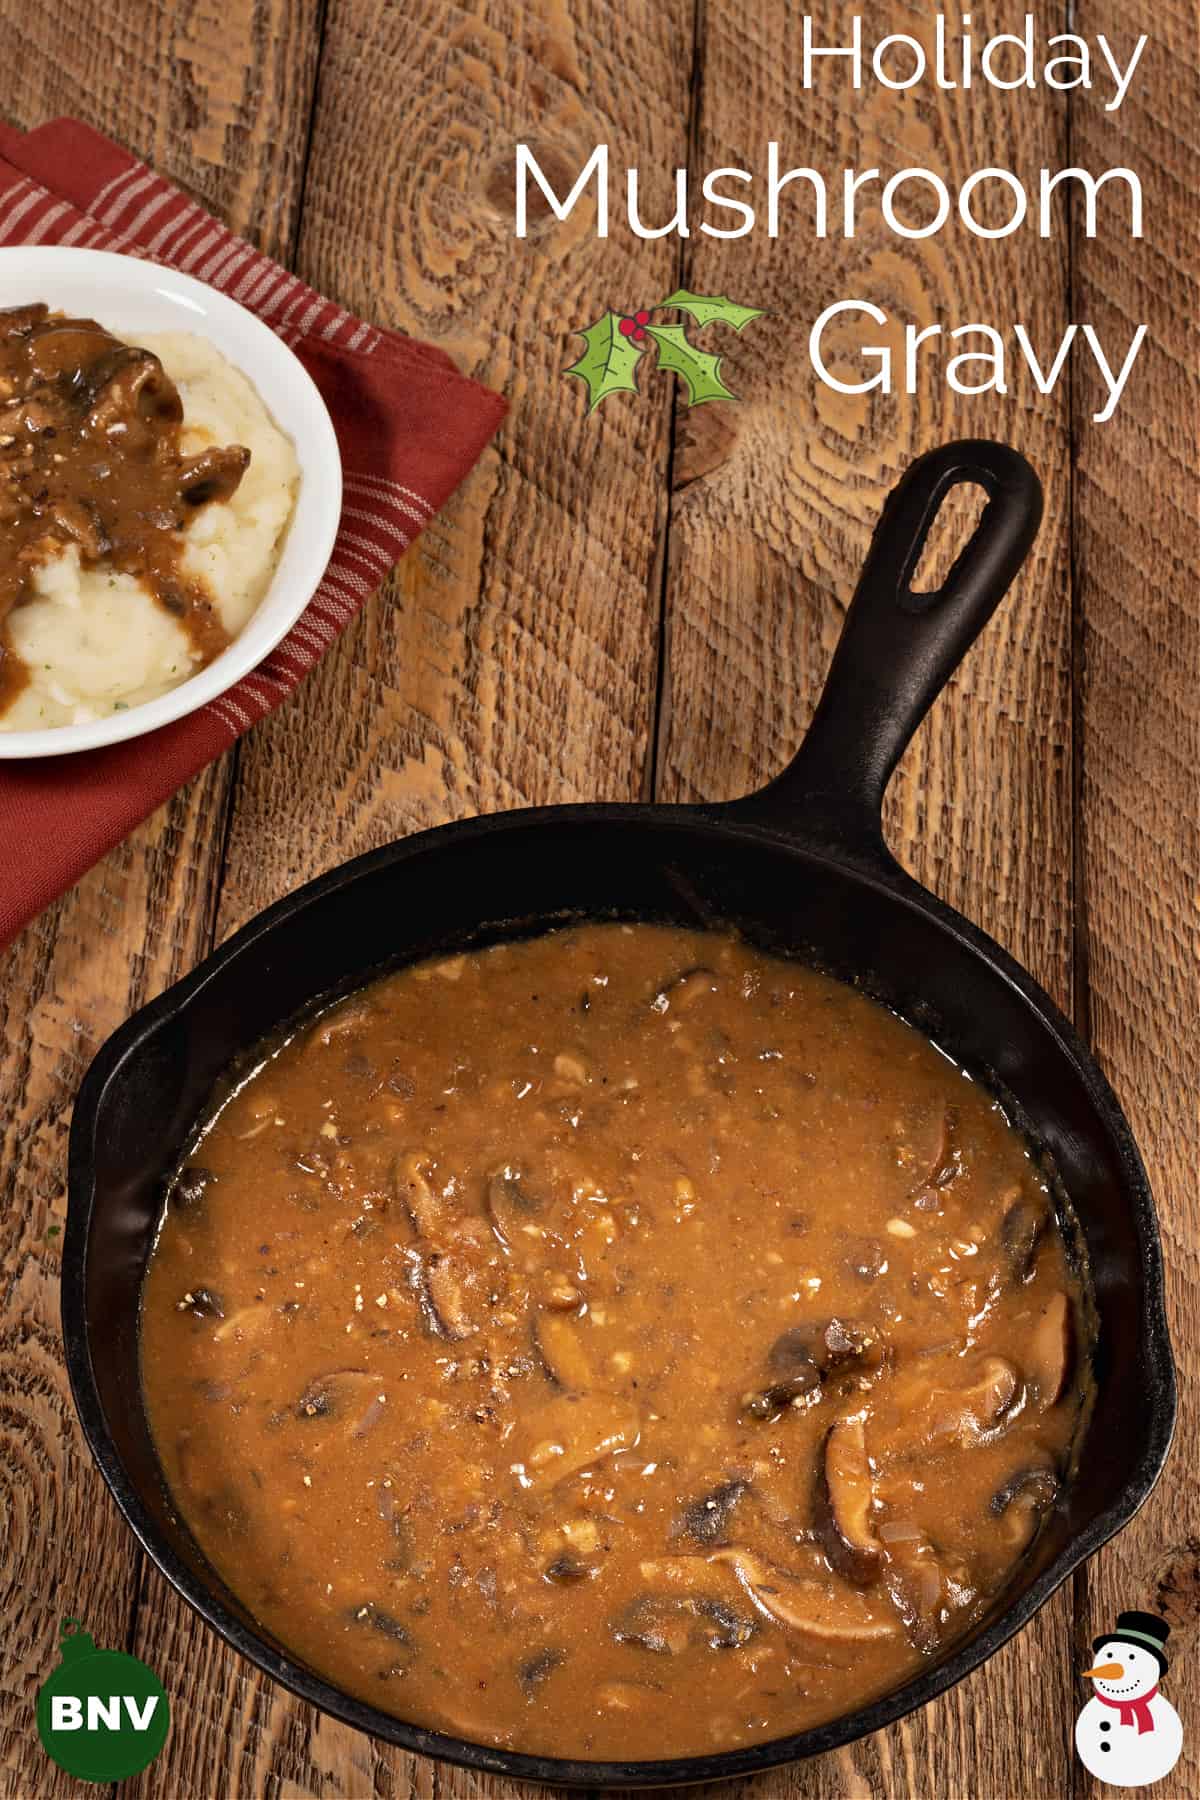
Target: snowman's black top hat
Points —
{"points": [[1142, 1628]]}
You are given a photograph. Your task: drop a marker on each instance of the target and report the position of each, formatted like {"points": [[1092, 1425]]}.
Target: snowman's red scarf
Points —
{"points": [[1130, 1710]]}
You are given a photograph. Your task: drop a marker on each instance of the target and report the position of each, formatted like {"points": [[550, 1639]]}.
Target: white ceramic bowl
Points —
{"points": [[130, 296]]}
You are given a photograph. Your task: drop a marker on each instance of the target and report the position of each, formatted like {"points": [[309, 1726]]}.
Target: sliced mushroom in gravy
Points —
{"points": [[631, 1379]]}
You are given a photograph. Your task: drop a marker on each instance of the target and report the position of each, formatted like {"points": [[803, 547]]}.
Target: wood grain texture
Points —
{"points": [[774, 503], [135, 923], [215, 93], [1137, 555], [511, 660], [143, 916]]}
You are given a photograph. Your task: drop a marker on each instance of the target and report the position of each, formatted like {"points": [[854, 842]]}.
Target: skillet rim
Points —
{"points": [[874, 868]]}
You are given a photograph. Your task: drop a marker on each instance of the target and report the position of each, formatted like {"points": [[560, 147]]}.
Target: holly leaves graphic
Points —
{"points": [[709, 309], [615, 344], [608, 363], [699, 372]]}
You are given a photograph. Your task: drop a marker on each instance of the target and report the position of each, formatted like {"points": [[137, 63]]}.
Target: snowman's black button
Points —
{"points": [[1106, 1724], [1106, 1746]]}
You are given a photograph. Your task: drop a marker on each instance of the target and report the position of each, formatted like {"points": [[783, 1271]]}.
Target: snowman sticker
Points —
{"points": [[1128, 1734]]}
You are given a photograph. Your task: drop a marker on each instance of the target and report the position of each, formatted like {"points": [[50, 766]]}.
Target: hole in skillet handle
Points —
{"points": [[898, 649], [956, 521]]}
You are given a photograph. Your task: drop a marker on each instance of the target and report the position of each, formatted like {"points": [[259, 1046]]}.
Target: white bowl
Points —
{"points": [[129, 297]]}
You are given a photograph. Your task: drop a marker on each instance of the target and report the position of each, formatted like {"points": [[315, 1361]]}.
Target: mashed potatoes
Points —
{"points": [[96, 641]]}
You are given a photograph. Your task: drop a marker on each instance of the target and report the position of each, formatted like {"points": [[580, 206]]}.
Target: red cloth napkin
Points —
{"points": [[409, 426]]}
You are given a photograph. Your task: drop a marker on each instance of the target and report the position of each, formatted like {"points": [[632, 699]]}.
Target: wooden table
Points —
{"points": [[644, 602]]}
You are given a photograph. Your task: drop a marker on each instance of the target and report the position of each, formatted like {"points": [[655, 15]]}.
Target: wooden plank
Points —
{"points": [[447, 697], [215, 94], [225, 113], [775, 499], [512, 659], [1137, 552]]}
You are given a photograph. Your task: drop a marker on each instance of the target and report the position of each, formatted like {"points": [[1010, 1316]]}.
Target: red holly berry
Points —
{"points": [[638, 335], [643, 317], [627, 328]]}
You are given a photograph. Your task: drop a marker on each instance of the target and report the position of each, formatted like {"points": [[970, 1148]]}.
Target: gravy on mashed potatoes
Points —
{"points": [[144, 494]]}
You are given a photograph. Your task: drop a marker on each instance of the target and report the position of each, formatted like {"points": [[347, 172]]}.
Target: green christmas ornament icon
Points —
{"points": [[101, 1715]]}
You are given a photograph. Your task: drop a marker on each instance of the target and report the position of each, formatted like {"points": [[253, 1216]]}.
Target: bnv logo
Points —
{"points": [[101, 1715]]}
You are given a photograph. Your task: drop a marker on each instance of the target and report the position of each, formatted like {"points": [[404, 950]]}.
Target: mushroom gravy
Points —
{"points": [[90, 460], [617, 1344]]}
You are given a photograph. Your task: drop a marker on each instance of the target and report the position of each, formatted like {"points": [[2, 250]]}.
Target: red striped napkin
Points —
{"points": [[409, 426]]}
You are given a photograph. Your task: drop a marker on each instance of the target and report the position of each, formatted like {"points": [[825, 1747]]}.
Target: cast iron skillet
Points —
{"points": [[799, 867]]}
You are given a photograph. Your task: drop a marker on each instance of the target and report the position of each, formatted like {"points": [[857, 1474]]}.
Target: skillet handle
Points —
{"points": [[898, 648]]}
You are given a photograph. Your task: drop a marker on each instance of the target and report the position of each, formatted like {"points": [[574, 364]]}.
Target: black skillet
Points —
{"points": [[799, 867]]}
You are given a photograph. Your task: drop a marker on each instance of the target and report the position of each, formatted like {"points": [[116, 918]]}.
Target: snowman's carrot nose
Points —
{"points": [[1105, 1672]]}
